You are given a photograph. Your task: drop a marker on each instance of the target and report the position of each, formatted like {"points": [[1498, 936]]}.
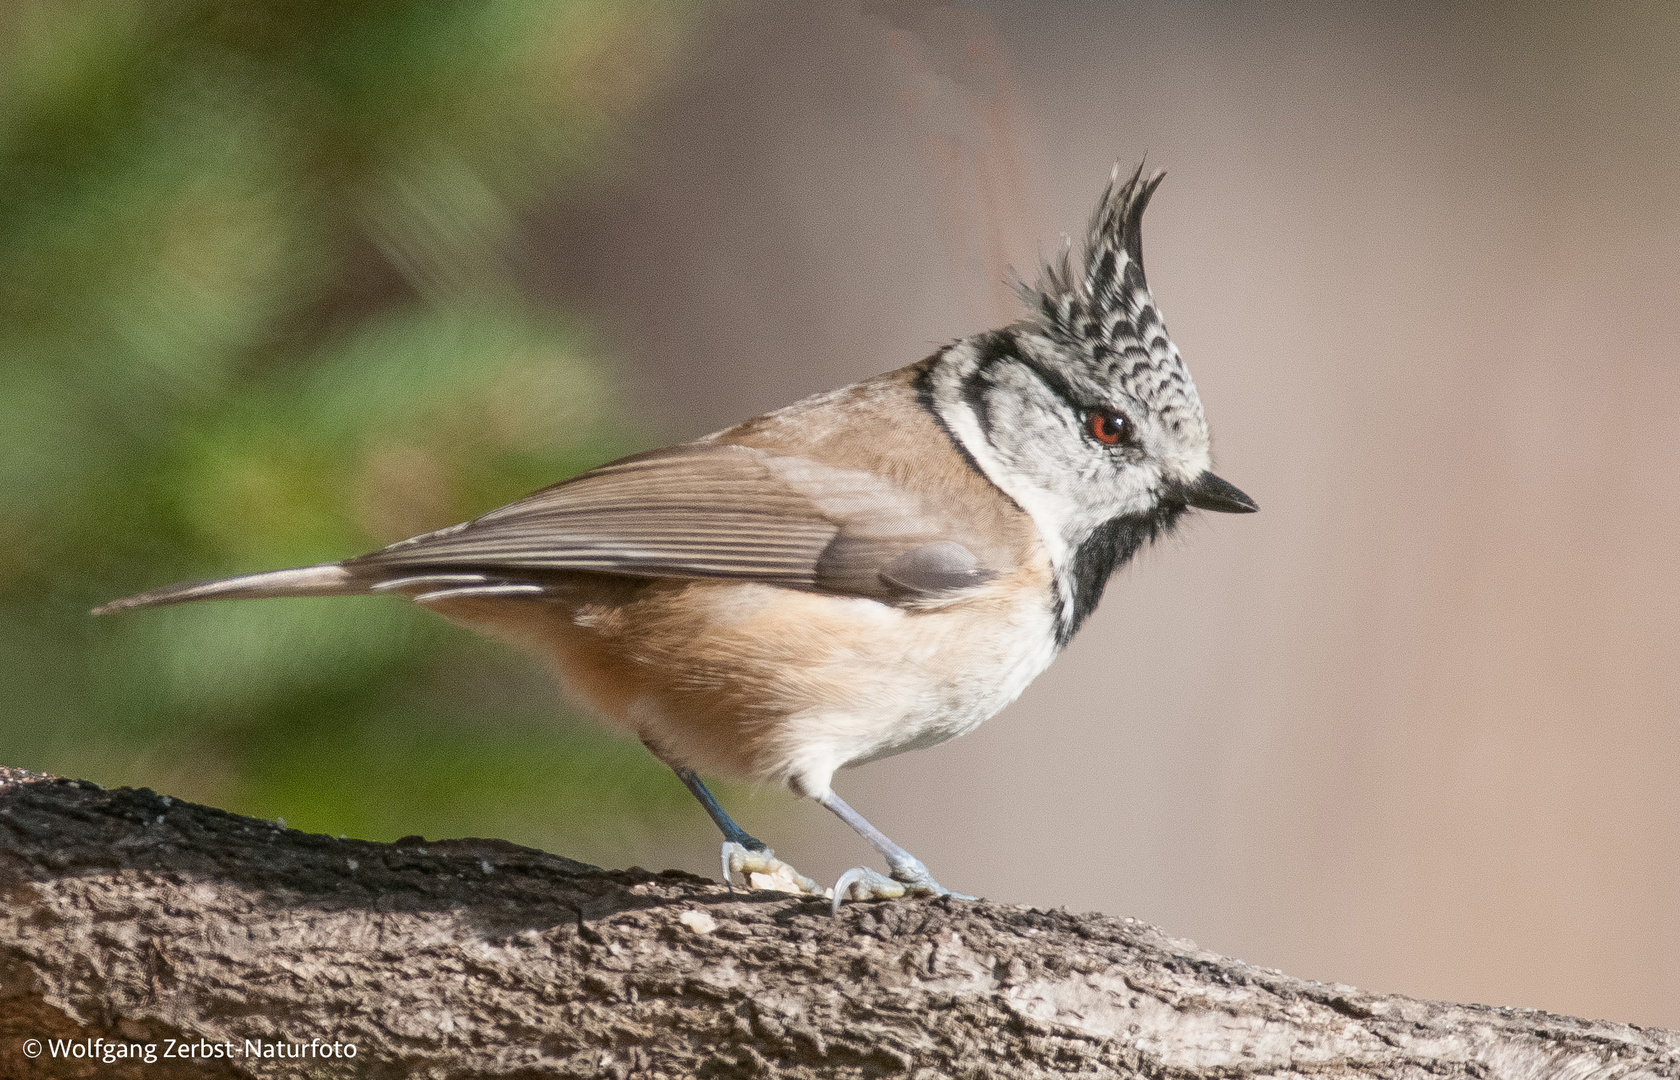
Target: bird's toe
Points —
{"points": [[762, 870], [862, 883]]}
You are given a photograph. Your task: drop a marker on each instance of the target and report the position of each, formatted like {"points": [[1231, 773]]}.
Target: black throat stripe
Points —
{"points": [[1106, 550]]}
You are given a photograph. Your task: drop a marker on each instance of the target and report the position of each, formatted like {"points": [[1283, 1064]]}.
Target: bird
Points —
{"points": [[871, 570]]}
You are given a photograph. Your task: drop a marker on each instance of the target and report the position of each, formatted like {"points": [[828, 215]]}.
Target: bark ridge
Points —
{"points": [[131, 917]]}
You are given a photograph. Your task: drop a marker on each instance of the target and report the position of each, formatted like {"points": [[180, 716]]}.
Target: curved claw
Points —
{"points": [[762, 870], [862, 883], [875, 886]]}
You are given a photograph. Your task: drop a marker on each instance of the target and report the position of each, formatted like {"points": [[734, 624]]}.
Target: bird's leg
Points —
{"points": [[726, 824], [909, 876], [742, 853]]}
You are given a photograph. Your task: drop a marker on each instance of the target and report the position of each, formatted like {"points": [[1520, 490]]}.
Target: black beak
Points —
{"points": [[1208, 492]]}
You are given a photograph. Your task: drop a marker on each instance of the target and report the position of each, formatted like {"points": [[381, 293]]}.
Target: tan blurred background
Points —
{"points": [[1416, 725], [284, 282]]}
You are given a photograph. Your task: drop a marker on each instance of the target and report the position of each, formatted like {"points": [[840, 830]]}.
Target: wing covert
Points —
{"points": [[700, 510], [675, 512]]}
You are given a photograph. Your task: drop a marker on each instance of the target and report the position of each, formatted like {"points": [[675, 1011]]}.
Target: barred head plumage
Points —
{"points": [[1100, 311], [1084, 412]]}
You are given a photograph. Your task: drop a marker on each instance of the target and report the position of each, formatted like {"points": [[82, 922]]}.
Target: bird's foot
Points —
{"points": [[762, 870], [862, 883]]}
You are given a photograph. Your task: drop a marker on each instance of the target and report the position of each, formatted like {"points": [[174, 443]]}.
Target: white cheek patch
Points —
{"points": [[959, 416], [1068, 488], [1051, 513]]}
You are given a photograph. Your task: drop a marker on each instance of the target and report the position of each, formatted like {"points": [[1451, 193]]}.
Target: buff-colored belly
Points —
{"points": [[760, 682]]}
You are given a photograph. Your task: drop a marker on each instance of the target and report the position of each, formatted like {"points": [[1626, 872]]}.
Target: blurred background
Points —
{"points": [[283, 282]]}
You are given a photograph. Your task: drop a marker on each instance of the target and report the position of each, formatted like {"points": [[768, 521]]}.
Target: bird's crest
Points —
{"points": [[1098, 313], [1091, 300]]}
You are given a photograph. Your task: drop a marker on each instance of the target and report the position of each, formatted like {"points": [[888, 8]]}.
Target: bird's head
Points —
{"points": [[1084, 412]]}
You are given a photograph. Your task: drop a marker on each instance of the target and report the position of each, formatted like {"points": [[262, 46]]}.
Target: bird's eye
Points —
{"points": [[1109, 427]]}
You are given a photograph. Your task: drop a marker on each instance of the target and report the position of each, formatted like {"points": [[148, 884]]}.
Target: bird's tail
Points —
{"points": [[328, 579]]}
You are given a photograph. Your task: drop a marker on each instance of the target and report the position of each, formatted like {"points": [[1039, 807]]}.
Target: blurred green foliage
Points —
{"points": [[253, 314]]}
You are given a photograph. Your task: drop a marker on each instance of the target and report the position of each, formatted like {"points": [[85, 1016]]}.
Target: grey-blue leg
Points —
{"points": [[732, 832], [742, 853], [909, 875]]}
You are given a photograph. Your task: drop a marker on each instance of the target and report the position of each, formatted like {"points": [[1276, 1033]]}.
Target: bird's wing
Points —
{"points": [[700, 510]]}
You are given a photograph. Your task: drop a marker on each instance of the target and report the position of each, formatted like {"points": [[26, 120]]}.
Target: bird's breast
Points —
{"points": [[764, 682]]}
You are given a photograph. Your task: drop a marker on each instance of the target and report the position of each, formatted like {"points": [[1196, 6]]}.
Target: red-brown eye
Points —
{"points": [[1110, 428]]}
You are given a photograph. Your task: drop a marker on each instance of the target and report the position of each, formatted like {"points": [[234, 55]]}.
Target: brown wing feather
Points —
{"points": [[706, 510]]}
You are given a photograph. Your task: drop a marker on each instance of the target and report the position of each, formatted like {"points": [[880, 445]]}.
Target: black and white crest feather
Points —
{"points": [[1099, 308], [1093, 344], [1090, 301]]}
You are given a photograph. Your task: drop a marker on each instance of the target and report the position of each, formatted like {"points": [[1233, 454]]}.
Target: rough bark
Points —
{"points": [[137, 919]]}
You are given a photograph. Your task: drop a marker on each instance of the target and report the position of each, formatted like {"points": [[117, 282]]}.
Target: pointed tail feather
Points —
{"points": [[328, 579]]}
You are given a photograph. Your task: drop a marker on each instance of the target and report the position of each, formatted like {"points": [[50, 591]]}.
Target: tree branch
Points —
{"points": [[137, 919]]}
